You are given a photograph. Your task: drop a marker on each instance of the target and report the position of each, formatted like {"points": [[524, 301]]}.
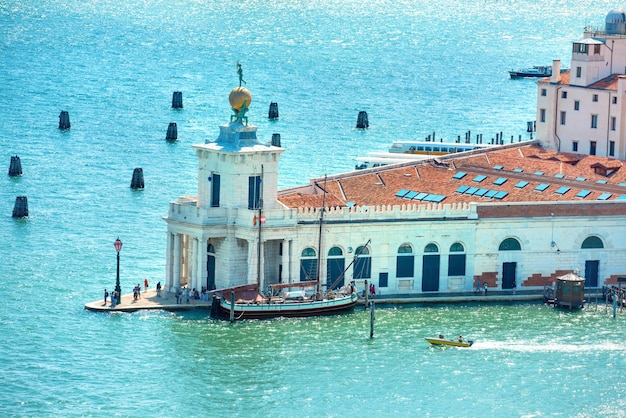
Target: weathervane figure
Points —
{"points": [[240, 72]]}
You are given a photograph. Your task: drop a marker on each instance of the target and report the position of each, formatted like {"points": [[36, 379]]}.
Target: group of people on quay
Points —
{"points": [[113, 297], [136, 293], [187, 295]]}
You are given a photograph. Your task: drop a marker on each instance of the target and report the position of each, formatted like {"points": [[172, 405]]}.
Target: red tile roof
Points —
{"points": [[523, 166]]}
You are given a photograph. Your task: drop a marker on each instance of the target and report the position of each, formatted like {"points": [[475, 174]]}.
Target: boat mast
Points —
{"points": [[260, 243], [318, 292]]}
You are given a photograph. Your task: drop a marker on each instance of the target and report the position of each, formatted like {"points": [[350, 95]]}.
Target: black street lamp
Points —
{"points": [[118, 289]]}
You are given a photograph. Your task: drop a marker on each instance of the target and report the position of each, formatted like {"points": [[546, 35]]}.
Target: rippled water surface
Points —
{"points": [[416, 67]]}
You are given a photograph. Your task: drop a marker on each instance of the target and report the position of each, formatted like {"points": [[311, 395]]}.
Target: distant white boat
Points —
{"points": [[406, 151], [538, 71]]}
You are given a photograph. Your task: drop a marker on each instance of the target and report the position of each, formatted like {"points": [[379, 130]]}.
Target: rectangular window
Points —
{"points": [[405, 265], [592, 148], [215, 190], [383, 279], [594, 121], [579, 72], [542, 115], [580, 48], [614, 99], [563, 114], [613, 123], [576, 105], [254, 192], [456, 265], [543, 92], [563, 95], [612, 148], [595, 98], [596, 49], [575, 146]]}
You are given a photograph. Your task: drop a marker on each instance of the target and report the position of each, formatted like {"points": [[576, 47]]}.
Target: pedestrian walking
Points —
{"points": [[145, 284], [158, 288], [106, 295]]}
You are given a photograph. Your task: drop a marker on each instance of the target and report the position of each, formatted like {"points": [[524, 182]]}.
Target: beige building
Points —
{"points": [[582, 110]]}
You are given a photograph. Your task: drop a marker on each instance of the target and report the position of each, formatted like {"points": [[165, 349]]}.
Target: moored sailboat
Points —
{"points": [[249, 302]]}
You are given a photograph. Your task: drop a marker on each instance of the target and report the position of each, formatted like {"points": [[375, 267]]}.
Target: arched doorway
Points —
{"points": [[335, 265], [430, 268], [308, 264], [509, 269], [592, 266], [362, 264]]}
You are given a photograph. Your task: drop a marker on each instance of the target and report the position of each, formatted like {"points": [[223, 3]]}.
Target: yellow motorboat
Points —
{"points": [[460, 342]]}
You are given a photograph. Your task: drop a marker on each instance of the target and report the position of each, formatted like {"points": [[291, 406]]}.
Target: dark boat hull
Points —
{"points": [[221, 308]]}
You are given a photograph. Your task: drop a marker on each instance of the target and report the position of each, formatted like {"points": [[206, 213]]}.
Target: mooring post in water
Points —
{"points": [[15, 168], [361, 121], [365, 292], [273, 112], [275, 140], [372, 319], [137, 181], [232, 306], [177, 100], [64, 120], [20, 210], [172, 132], [614, 304]]}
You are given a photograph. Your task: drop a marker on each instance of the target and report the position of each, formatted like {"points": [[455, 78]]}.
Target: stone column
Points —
{"points": [[201, 272], [252, 262], [286, 261], [176, 261], [169, 280], [193, 268]]}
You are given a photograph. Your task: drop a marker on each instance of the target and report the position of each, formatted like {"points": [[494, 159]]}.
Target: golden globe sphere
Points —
{"points": [[238, 96]]}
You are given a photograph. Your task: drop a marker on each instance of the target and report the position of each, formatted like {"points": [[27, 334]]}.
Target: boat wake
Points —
{"points": [[546, 347]]}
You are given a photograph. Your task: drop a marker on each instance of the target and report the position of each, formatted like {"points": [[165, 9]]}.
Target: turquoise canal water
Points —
{"points": [[414, 66]]}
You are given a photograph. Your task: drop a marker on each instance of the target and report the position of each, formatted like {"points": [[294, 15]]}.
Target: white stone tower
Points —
{"points": [[213, 239]]}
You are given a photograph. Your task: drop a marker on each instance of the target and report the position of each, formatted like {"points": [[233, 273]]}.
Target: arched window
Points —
{"points": [[592, 242], [210, 248], [335, 251], [457, 247], [456, 262], [405, 249], [308, 264], [431, 248], [335, 266], [362, 264], [510, 244], [405, 261]]}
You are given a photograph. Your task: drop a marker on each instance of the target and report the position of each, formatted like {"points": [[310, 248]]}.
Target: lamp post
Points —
{"points": [[118, 289]]}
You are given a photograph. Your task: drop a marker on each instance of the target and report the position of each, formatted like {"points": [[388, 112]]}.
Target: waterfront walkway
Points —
{"points": [[167, 301], [149, 300]]}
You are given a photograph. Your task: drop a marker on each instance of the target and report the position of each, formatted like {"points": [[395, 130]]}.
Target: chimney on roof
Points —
{"points": [[556, 71], [621, 86]]}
